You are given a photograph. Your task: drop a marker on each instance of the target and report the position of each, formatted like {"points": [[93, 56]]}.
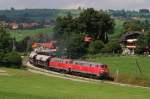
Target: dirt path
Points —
{"points": [[34, 69]]}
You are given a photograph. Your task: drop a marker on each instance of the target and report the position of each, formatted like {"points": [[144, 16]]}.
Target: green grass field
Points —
{"points": [[21, 84], [21, 34], [125, 64], [126, 68]]}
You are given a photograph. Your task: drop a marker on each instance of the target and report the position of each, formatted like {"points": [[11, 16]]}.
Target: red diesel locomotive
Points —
{"points": [[88, 69]]}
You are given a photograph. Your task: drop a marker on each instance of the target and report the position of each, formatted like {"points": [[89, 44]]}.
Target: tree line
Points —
{"points": [[128, 14], [42, 15], [33, 15]]}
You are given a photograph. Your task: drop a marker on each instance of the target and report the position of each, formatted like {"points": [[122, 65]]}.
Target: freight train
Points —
{"points": [[77, 67]]}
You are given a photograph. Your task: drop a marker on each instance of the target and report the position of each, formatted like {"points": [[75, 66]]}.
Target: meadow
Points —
{"points": [[21, 84], [125, 64], [21, 34], [127, 69]]}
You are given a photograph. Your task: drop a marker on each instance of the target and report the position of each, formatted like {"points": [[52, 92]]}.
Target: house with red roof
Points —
{"points": [[44, 47]]}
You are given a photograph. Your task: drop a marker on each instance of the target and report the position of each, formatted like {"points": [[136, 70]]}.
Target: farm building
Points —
{"points": [[128, 42]]}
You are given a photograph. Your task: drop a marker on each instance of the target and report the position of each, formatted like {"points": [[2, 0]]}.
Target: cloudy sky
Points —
{"points": [[67, 4]]}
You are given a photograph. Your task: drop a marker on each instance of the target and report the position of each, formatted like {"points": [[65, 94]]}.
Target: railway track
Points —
{"points": [[42, 71]]}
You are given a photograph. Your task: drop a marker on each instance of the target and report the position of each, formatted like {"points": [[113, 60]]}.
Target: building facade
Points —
{"points": [[129, 42]]}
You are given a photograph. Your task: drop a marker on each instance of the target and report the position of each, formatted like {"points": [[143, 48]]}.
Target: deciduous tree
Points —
{"points": [[5, 39], [96, 23]]}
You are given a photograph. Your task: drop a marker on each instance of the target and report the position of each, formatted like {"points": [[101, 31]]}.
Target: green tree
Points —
{"points": [[112, 47], [96, 23], [146, 24], [1, 55], [95, 47], [64, 25], [75, 46], [132, 25], [143, 44], [148, 39], [24, 45], [91, 22], [5, 39], [12, 59]]}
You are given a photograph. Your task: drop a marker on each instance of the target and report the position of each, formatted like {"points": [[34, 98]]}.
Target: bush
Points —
{"points": [[112, 47], [143, 44], [12, 59], [95, 47], [1, 56]]}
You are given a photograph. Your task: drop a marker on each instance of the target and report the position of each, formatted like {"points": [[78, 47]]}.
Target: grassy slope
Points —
{"points": [[125, 64], [25, 85], [20, 34]]}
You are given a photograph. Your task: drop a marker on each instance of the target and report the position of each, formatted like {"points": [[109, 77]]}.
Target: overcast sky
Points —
{"points": [[69, 4]]}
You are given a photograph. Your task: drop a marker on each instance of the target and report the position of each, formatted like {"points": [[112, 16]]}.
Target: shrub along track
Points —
{"points": [[38, 70]]}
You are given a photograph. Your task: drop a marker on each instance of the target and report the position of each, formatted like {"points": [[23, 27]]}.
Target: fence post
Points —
{"points": [[117, 75]]}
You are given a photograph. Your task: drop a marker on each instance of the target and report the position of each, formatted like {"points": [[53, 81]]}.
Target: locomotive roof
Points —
{"points": [[86, 62]]}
